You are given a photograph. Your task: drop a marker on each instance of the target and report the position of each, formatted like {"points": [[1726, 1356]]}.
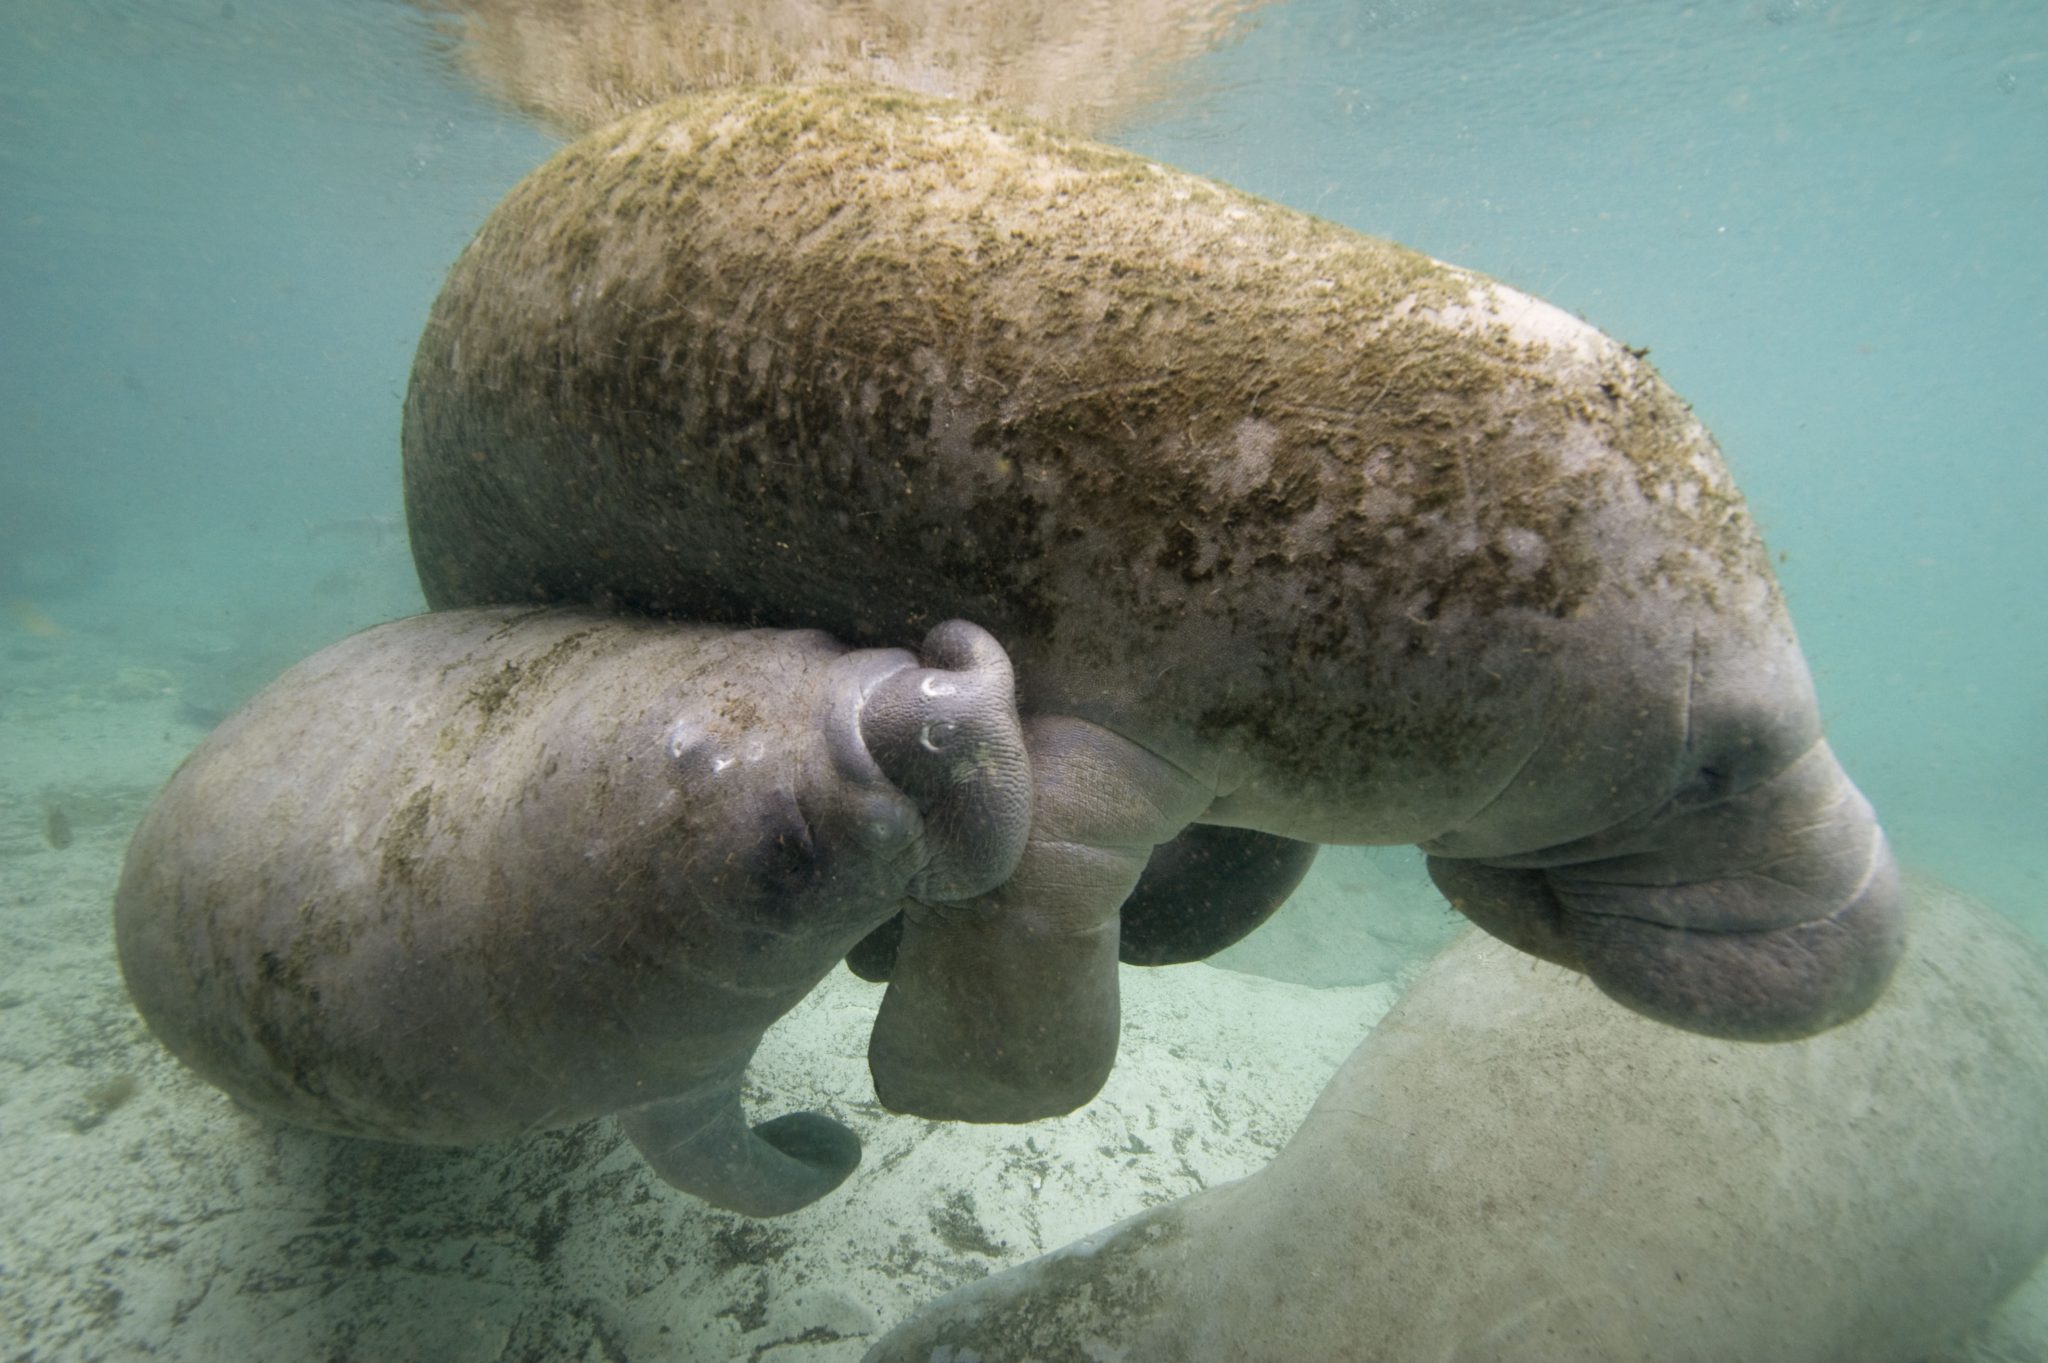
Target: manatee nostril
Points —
{"points": [[916, 728]]}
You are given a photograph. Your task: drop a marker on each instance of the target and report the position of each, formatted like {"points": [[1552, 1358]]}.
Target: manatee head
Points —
{"points": [[800, 819], [1755, 899]]}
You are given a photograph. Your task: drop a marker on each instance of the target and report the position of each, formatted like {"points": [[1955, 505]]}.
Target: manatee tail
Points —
{"points": [[705, 1147]]}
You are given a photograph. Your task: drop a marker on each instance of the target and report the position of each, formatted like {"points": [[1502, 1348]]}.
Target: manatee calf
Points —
{"points": [[475, 873], [1509, 1169], [1284, 528]]}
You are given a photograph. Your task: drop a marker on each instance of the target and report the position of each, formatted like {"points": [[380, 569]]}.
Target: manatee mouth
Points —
{"points": [[1777, 983]]}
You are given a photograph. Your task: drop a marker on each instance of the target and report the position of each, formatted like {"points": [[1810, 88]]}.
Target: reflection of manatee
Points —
{"points": [[479, 872], [1507, 1169], [1285, 528], [1200, 892], [1083, 64]]}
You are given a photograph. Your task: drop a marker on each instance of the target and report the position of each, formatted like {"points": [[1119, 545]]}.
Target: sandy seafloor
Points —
{"points": [[142, 1215]]}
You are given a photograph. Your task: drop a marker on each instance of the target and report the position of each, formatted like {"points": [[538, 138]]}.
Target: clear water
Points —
{"points": [[222, 222]]}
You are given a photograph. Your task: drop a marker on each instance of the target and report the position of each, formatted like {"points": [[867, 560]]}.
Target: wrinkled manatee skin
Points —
{"points": [[477, 873], [1509, 1171], [1364, 547]]}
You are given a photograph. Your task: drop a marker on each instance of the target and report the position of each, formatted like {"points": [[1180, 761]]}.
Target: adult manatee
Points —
{"points": [[476, 873], [1284, 528]]}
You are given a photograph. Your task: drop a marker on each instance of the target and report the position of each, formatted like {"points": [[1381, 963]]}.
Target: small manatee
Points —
{"points": [[482, 872]]}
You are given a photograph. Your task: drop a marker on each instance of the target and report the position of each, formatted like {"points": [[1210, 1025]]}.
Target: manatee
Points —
{"points": [[1507, 1168], [1284, 528], [482, 872]]}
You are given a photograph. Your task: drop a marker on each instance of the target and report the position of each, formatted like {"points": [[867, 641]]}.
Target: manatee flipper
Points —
{"points": [[873, 958], [1004, 1008], [705, 1147], [1764, 913], [1206, 889], [1202, 891]]}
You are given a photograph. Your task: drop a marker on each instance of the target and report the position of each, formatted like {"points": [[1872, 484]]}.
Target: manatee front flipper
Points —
{"points": [[705, 1147], [1202, 891], [1206, 889], [1761, 914], [1004, 1008], [873, 957]]}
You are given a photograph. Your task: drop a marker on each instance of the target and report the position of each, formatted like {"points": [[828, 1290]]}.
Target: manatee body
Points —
{"points": [[476, 873], [1508, 1169], [1284, 528]]}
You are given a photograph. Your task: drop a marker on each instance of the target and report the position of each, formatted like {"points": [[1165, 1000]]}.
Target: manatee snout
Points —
{"points": [[1778, 984], [1763, 914], [945, 732], [1771, 914]]}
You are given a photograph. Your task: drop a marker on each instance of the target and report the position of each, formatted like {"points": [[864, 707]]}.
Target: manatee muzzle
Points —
{"points": [[942, 728], [1770, 914]]}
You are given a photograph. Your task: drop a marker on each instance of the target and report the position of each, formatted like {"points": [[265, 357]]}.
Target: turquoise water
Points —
{"points": [[222, 223]]}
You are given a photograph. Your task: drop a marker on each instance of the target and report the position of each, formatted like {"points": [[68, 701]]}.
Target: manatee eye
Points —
{"points": [[936, 734], [1708, 783]]}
